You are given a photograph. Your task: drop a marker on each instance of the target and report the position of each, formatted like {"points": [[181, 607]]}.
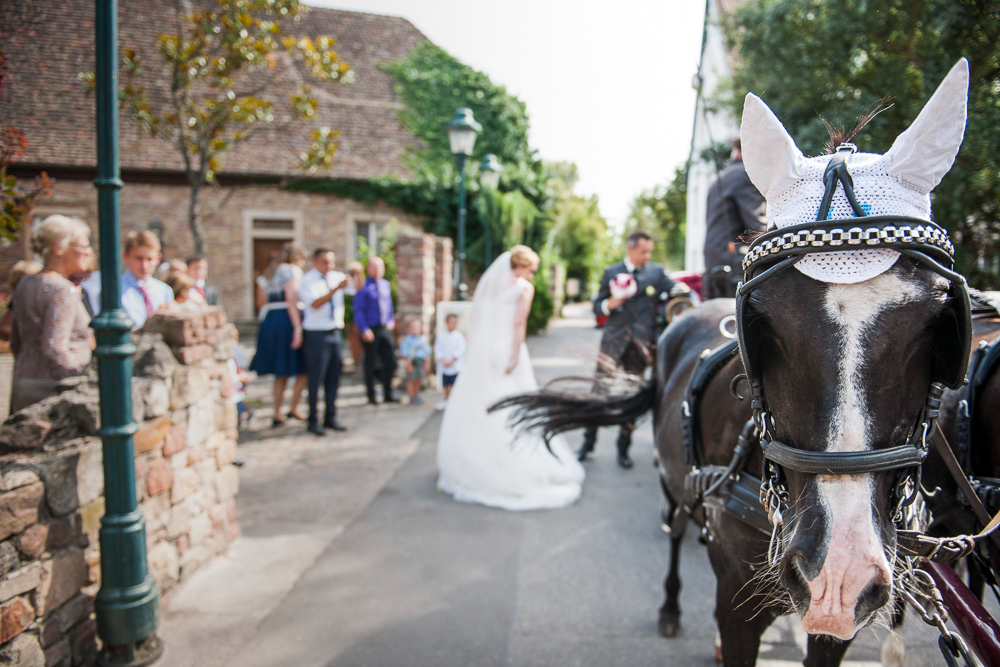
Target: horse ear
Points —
{"points": [[924, 153], [772, 160]]}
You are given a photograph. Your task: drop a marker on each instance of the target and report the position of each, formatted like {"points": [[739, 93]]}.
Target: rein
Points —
{"points": [[948, 549]]}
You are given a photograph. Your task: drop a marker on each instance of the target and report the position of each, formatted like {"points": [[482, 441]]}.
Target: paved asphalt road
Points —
{"points": [[417, 579]]}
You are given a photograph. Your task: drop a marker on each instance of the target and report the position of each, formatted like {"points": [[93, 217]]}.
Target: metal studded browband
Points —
{"points": [[890, 232]]}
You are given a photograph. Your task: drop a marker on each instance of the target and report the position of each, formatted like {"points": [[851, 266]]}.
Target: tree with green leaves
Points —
{"points": [[577, 234], [806, 57], [661, 212], [432, 84], [222, 62]]}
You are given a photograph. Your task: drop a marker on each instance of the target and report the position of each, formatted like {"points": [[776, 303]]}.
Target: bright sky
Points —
{"points": [[607, 85]]}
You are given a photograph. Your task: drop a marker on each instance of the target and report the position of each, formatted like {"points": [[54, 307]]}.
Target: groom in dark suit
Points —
{"points": [[630, 333]]}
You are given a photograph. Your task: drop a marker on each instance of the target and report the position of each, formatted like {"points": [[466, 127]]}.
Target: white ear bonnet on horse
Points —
{"points": [[897, 183]]}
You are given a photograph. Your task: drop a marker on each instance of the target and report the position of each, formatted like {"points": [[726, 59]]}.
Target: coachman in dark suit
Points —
{"points": [[733, 208], [631, 329]]}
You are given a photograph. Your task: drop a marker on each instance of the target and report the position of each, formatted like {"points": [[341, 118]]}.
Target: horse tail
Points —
{"points": [[614, 399]]}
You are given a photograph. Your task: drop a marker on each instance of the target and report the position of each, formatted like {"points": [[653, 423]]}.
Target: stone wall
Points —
{"points": [[52, 486], [445, 262]]}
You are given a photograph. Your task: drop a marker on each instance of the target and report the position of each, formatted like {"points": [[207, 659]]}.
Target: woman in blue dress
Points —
{"points": [[279, 340]]}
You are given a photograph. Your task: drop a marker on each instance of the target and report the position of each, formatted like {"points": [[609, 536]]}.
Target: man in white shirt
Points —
{"points": [[142, 294], [322, 293]]}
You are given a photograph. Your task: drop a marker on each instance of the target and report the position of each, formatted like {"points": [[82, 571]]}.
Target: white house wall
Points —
{"points": [[710, 127]]}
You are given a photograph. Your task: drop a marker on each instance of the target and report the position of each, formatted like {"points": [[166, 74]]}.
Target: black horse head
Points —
{"points": [[849, 319]]}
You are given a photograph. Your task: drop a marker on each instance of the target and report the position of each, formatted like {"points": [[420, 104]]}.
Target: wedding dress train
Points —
{"points": [[479, 457]]}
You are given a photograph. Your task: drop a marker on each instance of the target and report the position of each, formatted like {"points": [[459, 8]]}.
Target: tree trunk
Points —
{"points": [[194, 217]]}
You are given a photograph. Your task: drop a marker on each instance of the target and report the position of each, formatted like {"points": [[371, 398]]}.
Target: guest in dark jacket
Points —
{"points": [[734, 207], [374, 317]]}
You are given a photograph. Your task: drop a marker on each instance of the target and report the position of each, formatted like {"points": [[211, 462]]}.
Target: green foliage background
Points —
{"points": [[543, 307], [577, 234], [805, 57], [662, 212]]}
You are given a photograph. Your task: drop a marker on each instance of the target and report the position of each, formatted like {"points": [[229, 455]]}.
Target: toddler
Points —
{"points": [[416, 353]]}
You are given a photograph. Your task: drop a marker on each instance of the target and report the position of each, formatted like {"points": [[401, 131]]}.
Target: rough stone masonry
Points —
{"points": [[52, 485]]}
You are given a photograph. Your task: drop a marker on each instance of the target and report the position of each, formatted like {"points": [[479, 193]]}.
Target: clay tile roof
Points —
{"points": [[44, 97]]}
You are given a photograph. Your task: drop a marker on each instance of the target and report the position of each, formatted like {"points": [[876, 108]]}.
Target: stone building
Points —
{"points": [[248, 216]]}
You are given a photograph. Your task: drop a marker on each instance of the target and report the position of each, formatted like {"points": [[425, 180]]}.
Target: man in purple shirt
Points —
{"points": [[374, 317]]}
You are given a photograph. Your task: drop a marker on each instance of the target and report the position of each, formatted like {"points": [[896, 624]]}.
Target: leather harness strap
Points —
{"points": [[708, 365], [950, 462], [845, 463]]}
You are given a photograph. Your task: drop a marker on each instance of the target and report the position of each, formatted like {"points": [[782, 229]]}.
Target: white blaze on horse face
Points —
{"points": [[853, 308], [855, 557]]}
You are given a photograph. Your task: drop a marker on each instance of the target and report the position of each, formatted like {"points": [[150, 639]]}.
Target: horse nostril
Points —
{"points": [[873, 597], [806, 564], [793, 575]]}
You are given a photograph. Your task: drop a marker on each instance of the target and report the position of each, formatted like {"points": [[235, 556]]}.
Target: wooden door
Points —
{"points": [[265, 252]]}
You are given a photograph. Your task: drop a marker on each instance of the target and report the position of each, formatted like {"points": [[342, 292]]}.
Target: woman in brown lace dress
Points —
{"points": [[50, 336]]}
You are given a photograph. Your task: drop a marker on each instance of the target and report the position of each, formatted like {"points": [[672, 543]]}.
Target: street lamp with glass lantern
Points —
{"points": [[462, 135], [489, 176]]}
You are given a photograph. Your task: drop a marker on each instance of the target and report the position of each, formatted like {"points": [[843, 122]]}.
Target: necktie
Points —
{"points": [[200, 291], [333, 310], [149, 302]]}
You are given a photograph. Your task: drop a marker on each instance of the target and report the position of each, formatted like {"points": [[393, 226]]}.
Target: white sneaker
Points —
{"points": [[441, 406]]}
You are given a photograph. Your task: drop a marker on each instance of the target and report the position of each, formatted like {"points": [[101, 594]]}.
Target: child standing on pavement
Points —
{"points": [[416, 353], [448, 350]]}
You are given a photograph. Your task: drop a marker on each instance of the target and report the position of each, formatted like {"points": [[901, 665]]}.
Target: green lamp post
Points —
{"points": [[126, 605], [489, 176], [462, 136]]}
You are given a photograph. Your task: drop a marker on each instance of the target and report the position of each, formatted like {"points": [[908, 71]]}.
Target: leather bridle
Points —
{"points": [[775, 251]]}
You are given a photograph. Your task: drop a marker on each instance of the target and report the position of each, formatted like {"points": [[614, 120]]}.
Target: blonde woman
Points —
{"points": [[50, 333], [479, 458], [279, 340]]}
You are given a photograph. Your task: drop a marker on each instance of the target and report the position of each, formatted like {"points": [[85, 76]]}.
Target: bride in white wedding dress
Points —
{"points": [[480, 458]]}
